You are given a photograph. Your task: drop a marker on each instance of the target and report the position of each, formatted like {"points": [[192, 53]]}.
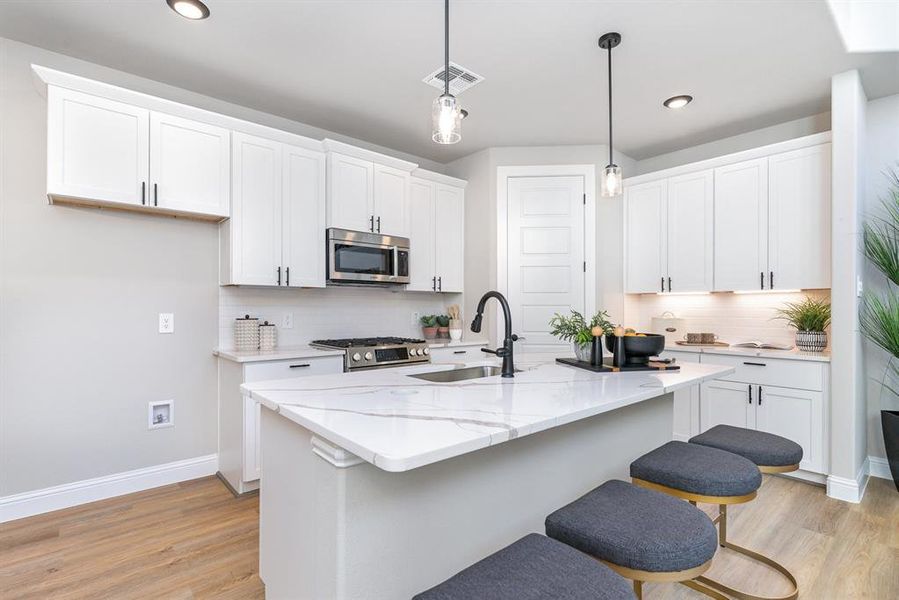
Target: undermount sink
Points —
{"points": [[452, 375]]}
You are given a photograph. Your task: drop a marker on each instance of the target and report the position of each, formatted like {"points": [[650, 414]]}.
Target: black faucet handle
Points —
{"points": [[500, 352]]}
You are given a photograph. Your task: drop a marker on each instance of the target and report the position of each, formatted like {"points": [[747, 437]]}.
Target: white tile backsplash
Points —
{"points": [[734, 317], [330, 312]]}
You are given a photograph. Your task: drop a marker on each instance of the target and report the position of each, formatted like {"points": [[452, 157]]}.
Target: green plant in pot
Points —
{"points": [[577, 330], [429, 326], [879, 317], [811, 318], [443, 322]]}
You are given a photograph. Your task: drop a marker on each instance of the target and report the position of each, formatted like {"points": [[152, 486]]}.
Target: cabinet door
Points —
{"points": [[350, 193], [799, 218], [303, 217], [190, 164], [689, 218], [391, 189], [727, 403], [256, 211], [645, 236], [797, 415], [449, 225], [422, 269], [97, 149], [741, 231]]}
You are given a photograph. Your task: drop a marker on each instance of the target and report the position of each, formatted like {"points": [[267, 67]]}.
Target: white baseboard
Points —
{"points": [[49, 499], [879, 467], [849, 490]]}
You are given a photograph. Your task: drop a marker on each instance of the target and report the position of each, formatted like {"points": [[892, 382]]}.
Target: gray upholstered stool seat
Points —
{"points": [[698, 469], [762, 448], [534, 568], [636, 528]]}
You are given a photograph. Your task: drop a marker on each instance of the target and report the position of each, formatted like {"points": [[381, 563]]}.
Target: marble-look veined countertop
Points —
{"points": [[399, 423], [794, 354]]}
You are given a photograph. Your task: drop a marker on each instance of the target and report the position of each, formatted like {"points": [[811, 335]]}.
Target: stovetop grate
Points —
{"points": [[366, 342]]}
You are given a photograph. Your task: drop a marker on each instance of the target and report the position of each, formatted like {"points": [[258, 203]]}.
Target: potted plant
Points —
{"points": [[811, 318], [578, 331], [429, 326], [443, 322], [879, 318]]}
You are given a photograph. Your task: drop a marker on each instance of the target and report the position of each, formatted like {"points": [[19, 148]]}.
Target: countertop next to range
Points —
{"points": [[794, 354], [305, 351], [399, 423]]}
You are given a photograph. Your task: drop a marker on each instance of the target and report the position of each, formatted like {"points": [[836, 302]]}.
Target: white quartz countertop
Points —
{"points": [[398, 423], [794, 354], [306, 351]]}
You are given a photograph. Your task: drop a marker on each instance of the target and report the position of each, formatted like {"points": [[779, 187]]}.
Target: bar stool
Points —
{"points": [[701, 473], [533, 568], [640, 534]]}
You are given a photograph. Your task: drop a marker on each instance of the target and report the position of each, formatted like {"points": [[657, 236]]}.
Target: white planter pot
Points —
{"points": [[811, 341]]}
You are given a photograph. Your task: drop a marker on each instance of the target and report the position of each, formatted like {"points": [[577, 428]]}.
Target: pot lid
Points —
{"points": [[247, 318]]}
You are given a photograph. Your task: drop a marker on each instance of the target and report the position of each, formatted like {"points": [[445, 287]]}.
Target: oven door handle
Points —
{"points": [[396, 262]]}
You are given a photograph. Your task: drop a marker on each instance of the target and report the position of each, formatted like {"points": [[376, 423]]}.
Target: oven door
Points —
{"points": [[362, 261]]}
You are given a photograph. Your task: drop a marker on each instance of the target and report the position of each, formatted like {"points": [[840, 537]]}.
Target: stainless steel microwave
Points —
{"points": [[360, 257]]}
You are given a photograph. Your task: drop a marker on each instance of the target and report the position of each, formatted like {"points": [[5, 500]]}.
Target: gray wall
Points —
{"points": [[80, 293], [882, 152]]}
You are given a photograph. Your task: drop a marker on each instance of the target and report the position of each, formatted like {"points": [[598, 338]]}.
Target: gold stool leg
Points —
{"points": [[638, 589]]}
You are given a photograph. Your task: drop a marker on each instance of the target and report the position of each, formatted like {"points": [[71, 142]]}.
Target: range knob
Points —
{"points": [[426, 351], [369, 356], [357, 357]]}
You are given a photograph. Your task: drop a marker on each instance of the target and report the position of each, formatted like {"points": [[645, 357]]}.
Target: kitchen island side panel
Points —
{"points": [[361, 532]]}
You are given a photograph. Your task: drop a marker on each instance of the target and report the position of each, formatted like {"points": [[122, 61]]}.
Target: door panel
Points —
{"points": [[97, 149], [799, 218], [796, 415], [190, 165], [726, 403], [545, 255], [741, 230], [350, 192], [690, 239], [645, 237], [303, 217], [391, 201], [449, 233]]}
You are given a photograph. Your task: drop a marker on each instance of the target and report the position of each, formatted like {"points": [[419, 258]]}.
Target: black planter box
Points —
{"points": [[890, 421]]}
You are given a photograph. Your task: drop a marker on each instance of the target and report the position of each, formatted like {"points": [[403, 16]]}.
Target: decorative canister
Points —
{"points": [[246, 333], [268, 336], [811, 341]]}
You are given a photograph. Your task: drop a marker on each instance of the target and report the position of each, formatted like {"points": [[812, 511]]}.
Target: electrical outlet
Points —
{"points": [[416, 317], [166, 322], [287, 321], [859, 287], [161, 414]]}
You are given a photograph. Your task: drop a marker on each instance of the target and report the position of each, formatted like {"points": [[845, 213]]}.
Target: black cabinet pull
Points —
{"points": [[771, 280], [143, 192], [755, 364], [440, 284], [279, 275], [669, 285], [434, 283], [760, 395], [302, 366], [287, 276], [379, 224], [750, 393], [371, 223], [761, 280], [155, 195], [461, 352], [663, 284]]}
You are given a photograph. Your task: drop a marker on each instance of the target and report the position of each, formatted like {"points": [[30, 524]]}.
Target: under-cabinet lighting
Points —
{"points": [[682, 293], [768, 292]]}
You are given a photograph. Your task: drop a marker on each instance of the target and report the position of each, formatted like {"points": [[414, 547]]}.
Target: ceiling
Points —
{"points": [[355, 67]]}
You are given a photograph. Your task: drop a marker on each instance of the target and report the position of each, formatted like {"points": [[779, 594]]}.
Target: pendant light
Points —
{"points": [[611, 176], [446, 114]]}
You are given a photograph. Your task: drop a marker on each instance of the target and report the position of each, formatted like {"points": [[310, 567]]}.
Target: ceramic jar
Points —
{"points": [[246, 333], [268, 336]]}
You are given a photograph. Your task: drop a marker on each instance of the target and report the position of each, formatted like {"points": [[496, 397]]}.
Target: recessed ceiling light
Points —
{"points": [[678, 101], [189, 9]]}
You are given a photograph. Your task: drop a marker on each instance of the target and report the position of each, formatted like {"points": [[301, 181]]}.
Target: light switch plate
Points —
{"points": [[859, 288], [166, 322], [287, 321]]}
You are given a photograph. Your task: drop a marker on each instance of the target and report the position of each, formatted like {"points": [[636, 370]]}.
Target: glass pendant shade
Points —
{"points": [[611, 181], [447, 120]]}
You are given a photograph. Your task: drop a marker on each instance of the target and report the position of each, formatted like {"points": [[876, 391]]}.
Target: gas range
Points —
{"points": [[378, 352]]}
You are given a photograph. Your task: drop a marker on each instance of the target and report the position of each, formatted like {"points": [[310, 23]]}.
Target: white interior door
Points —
{"points": [[741, 226], [546, 268], [689, 218]]}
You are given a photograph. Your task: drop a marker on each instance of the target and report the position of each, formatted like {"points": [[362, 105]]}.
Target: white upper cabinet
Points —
{"points": [[422, 266], [645, 236], [276, 234], [391, 201], [252, 238], [741, 217], [350, 193], [97, 149], [689, 232], [799, 219], [189, 165], [303, 217], [449, 224]]}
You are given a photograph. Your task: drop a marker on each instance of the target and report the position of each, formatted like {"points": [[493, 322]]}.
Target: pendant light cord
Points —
{"points": [[446, 72], [611, 162]]}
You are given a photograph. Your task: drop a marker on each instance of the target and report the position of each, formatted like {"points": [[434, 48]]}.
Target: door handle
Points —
{"points": [[302, 366], [750, 393], [755, 364], [760, 395], [396, 262], [761, 280], [663, 284], [155, 195], [279, 275], [287, 275], [771, 280], [669, 284], [143, 192], [371, 223], [440, 284], [379, 224], [461, 352]]}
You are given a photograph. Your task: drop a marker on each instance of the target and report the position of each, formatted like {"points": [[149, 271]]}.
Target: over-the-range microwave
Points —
{"points": [[360, 257]]}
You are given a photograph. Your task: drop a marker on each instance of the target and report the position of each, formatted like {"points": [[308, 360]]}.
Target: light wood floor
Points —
{"points": [[195, 540]]}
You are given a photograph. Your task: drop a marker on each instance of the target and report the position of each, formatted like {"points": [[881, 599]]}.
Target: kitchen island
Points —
{"points": [[377, 484]]}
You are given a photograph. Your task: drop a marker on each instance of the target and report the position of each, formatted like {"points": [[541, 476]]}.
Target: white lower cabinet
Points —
{"points": [[456, 354], [726, 403], [240, 459], [686, 402]]}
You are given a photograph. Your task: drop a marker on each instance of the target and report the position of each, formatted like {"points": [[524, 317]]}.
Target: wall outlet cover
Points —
{"points": [[416, 318], [166, 322], [287, 321], [161, 414], [859, 287]]}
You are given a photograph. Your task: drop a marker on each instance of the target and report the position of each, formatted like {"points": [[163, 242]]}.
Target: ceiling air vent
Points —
{"points": [[460, 79]]}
